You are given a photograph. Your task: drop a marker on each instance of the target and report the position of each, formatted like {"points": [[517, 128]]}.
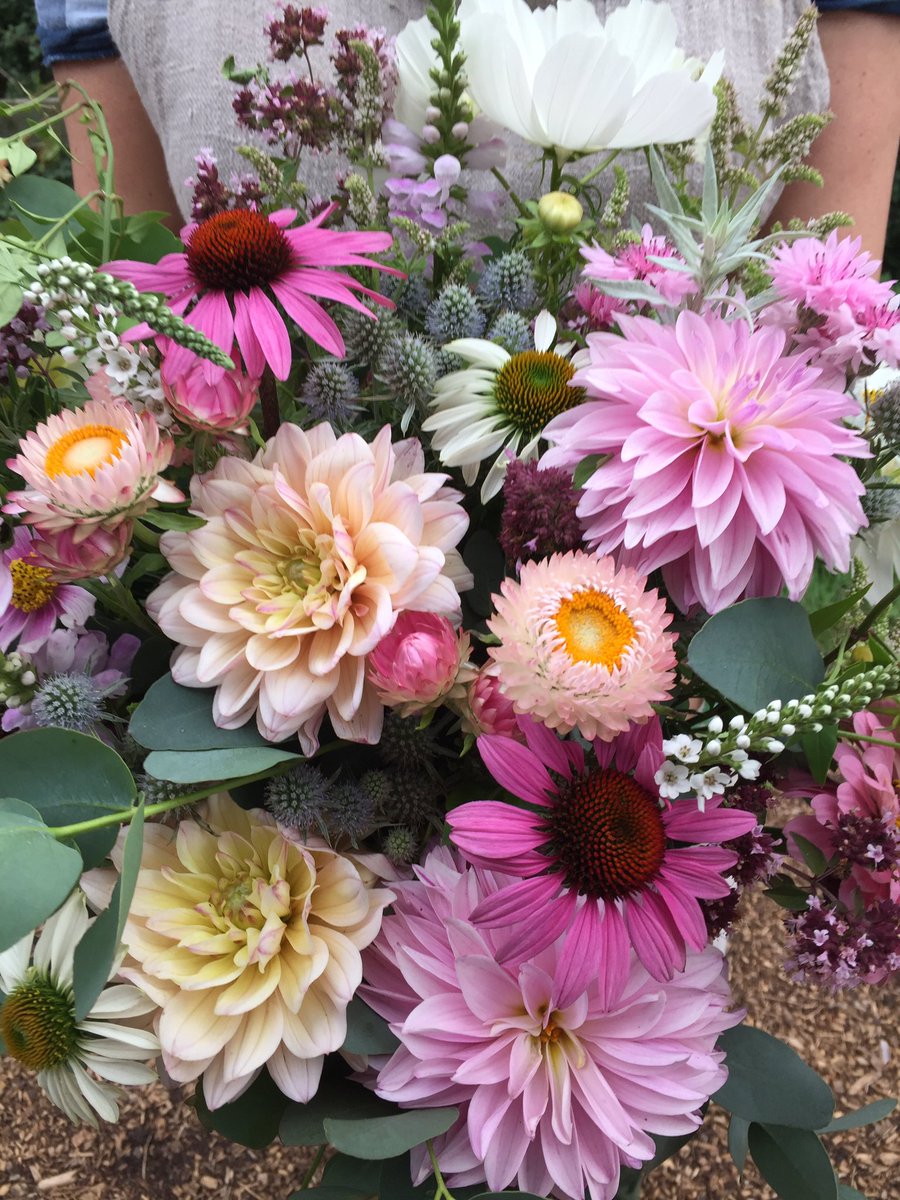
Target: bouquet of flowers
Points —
{"points": [[409, 632]]}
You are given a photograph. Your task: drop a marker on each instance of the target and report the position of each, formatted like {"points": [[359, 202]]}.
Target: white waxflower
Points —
{"points": [[79, 1064], [683, 747], [672, 780]]}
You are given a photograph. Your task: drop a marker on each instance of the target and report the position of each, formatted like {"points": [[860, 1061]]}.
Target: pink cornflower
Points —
{"points": [[32, 601], [582, 645], [724, 467], [558, 1085], [636, 261], [235, 261], [824, 275], [594, 856]]}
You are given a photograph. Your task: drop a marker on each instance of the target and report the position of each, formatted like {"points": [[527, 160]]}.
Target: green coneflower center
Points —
{"points": [[607, 833], [237, 250], [533, 388], [33, 586], [37, 1022]]}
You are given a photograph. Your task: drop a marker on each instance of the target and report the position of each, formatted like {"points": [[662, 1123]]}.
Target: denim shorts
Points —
{"points": [[73, 30]]}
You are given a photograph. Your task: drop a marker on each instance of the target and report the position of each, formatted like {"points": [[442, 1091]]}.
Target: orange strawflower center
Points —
{"points": [[84, 449], [533, 388], [33, 586], [238, 250], [607, 833], [594, 628]]}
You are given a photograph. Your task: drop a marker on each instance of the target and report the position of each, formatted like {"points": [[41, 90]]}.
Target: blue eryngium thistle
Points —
{"points": [[329, 392], [508, 282], [408, 367], [513, 332], [454, 314], [70, 701], [298, 799]]}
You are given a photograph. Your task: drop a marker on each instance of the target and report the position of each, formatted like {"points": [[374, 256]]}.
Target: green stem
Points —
{"points": [[442, 1192], [126, 815], [507, 187], [313, 1167], [595, 171], [48, 121], [146, 536], [65, 218], [268, 399], [861, 737]]}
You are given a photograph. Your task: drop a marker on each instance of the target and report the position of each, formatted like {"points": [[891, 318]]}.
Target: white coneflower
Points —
{"points": [[500, 403], [79, 1064]]}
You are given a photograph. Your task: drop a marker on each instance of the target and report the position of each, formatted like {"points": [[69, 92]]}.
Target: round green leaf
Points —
{"points": [[304, 1124], [252, 1119], [68, 777], [793, 1162], [386, 1137], [757, 651], [769, 1083], [367, 1033], [199, 766], [36, 871], [171, 717]]}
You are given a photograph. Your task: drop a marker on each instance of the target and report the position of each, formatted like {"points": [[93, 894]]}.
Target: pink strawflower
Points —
{"points": [[94, 556], [594, 856], [558, 1084], [217, 405], [487, 709], [32, 601], [236, 261], [635, 261], [856, 815], [420, 664], [307, 555], [91, 467], [724, 466], [582, 645]]}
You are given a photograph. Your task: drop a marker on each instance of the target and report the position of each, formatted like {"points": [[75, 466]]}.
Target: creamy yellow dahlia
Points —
{"points": [[306, 557], [249, 941]]}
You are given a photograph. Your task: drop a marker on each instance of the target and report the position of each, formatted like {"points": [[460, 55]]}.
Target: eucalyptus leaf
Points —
{"points": [[768, 1082], [171, 717], [96, 952], [867, 1115], [738, 1144], [201, 766], [757, 651], [69, 777], [329, 1192], [367, 1033], [793, 1162], [37, 872], [10, 301], [386, 1137], [252, 1120], [304, 1124]]}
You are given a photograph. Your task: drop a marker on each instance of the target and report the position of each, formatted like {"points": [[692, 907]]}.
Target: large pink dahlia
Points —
{"points": [[557, 1086], [582, 645], [724, 466], [307, 555], [91, 467], [593, 851], [235, 261]]}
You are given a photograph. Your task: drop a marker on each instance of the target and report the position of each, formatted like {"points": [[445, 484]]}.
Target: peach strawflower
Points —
{"points": [[582, 645], [94, 466], [249, 941], [307, 555]]}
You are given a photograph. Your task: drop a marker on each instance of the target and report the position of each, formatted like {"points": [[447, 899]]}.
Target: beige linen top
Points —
{"points": [[174, 50]]}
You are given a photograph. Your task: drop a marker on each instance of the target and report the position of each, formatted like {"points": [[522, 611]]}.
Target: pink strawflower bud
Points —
{"points": [[221, 405], [487, 709], [94, 556], [419, 663]]}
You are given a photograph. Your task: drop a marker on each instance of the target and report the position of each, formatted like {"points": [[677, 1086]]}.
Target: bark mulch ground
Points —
{"points": [[158, 1151]]}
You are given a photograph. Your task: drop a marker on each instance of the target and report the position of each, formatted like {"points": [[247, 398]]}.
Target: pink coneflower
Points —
{"points": [[582, 645], [724, 466], [557, 1085], [593, 853], [94, 466], [32, 601], [236, 260]]}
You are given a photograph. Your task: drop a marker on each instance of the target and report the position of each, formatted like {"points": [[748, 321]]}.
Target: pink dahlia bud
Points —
{"points": [[223, 405], [96, 555], [420, 663], [487, 710]]}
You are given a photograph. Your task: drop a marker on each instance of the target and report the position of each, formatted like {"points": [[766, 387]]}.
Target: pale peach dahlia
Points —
{"points": [[250, 944], [307, 555], [582, 645], [92, 467]]}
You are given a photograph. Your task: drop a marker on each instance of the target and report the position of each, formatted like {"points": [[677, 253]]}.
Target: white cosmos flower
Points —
{"points": [[500, 403], [415, 59], [37, 1021], [560, 78]]}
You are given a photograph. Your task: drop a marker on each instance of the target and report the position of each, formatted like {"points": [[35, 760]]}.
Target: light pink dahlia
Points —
{"points": [[582, 645], [32, 599], [558, 1085], [593, 851], [307, 555], [89, 467], [235, 262], [724, 467]]}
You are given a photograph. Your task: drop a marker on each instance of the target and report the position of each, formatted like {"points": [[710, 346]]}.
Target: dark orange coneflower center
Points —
{"points": [[607, 834], [237, 250]]}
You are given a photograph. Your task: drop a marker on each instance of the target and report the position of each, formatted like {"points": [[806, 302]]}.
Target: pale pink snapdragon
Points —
{"points": [[421, 663]]}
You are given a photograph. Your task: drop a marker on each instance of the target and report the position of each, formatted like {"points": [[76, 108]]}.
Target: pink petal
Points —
{"points": [[271, 333], [247, 341], [517, 902], [578, 959], [310, 317], [685, 823], [493, 834], [653, 934], [516, 767]]}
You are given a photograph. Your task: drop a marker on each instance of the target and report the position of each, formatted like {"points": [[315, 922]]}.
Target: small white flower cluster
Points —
{"points": [[63, 288], [707, 763], [17, 680], [131, 369]]}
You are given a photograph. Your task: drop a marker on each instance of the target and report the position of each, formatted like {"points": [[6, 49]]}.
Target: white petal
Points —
{"points": [[544, 330], [14, 963]]}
